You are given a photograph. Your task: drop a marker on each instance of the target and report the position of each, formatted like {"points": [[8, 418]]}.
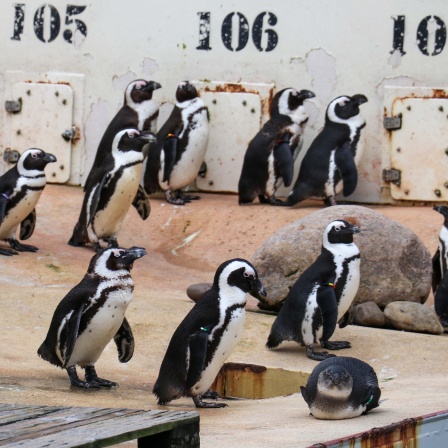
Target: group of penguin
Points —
{"points": [[133, 161], [93, 312]]}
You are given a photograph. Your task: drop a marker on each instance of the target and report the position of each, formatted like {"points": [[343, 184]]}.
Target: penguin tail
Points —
{"points": [[79, 237], [274, 340], [166, 393], [48, 355]]}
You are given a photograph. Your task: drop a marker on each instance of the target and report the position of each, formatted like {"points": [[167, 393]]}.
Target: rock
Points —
{"points": [[368, 314], [194, 292], [395, 264], [413, 317]]}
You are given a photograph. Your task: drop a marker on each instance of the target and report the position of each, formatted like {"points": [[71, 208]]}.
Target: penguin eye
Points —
{"points": [[138, 86], [34, 155], [117, 252], [337, 229], [245, 274]]}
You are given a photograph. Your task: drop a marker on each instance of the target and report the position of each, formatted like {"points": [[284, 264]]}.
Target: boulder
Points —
{"points": [[368, 314], [195, 291], [395, 264], [410, 316]]}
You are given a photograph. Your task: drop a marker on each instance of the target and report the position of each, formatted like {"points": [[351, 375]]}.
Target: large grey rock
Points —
{"points": [[395, 264], [413, 317]]}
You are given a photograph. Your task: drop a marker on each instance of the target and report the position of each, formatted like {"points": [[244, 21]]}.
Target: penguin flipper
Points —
{"points": [[304, 393], [328, 304], [96, 199], [27, 225], [436, 270], [285, 162], [141, 203], [72, 332], [347, 168], [124, 341], [198, 352], [169, 150], [3, 203]]}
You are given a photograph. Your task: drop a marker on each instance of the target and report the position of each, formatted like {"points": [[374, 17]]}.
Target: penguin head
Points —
{"points": [[335, 382], [343, 108], [114, 261], [139, 91], [239, 273], [443, 210], [339, 232], [287, 101], [185, 92], [131, 140], [33, 161]]}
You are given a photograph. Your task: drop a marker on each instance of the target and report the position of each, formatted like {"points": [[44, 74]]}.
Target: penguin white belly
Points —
{"points": [[330, 188], [350, 288], [229, 340], [101, 329], [326, 409], [18, 214], [271, 184], [107, 222], [187, 168], [307, 323]]}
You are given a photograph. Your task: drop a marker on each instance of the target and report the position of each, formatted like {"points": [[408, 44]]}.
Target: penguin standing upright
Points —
{"points": [[91, 315], [322, 295], [112, 191], [20, 189], [439, 271], [330, 164], [341, 387], [181, 145], [207, 335], [270, 156], [139, 111]]}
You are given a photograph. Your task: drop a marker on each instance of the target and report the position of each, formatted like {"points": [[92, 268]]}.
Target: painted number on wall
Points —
{"points": [[235, 31], [431, 35], [47, 22]]}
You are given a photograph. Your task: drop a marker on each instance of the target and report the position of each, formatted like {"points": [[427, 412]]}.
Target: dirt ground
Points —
{"points": [[185, 245]]}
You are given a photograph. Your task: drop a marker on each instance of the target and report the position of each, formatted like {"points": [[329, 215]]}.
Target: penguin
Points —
{"points": [[91, 315], [330, 164], [207, 335], [439, 271], [322, 295], [341, 387], [269, 158], [112, 191], [139, 111], [20, 189], [181, 145]]}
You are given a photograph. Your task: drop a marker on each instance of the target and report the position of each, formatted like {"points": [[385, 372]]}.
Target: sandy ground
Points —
{"points": [[185, 246]]}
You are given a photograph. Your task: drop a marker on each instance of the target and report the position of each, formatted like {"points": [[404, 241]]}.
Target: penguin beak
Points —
{"points": [[306, 95], [257, 289], [133, 254], [148, 136], [354, 229], [151, 86], [50, 158], [442, 209], [360, 99]]}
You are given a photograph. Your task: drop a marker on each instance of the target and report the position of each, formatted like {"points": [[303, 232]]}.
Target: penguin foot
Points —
{"points": [[112, 243], [75, 381], [174, 199], [330, 201], [92, 378], [8, 252], [317, 356], [211, 394], [189, 197], [204, 404], [335, 345], [21, 247]]}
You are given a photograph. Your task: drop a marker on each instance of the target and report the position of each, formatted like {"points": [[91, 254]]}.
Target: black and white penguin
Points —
{"points": [[181, 145], [91, 315], [322, 295], [20, 189], [330, 164], [139, 111], [439, 271], [112, 191], [270, 156], [341, 387], [207, 335]]}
